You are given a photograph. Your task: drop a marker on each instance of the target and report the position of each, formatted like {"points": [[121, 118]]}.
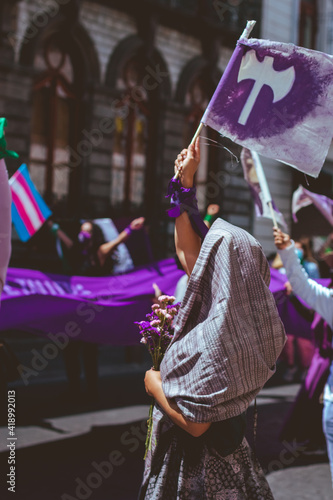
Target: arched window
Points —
{"points": [[54, 120], [129, 154]]}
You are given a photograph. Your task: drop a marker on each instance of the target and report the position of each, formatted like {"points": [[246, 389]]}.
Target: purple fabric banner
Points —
{"points": [[103, 310], [100, 310], [276, 99]]}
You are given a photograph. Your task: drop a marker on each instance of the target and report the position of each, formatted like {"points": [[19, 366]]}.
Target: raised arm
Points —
{"points": [[187, 241], [107, 248], [57, 231], [5, 223], [318, 297], [212, 213]]}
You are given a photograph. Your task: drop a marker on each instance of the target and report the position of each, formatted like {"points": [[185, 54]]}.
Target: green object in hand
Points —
{"points": [[208, 218], [54, 229], [4, 152]]}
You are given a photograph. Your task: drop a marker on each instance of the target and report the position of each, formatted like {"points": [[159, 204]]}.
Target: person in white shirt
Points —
{"points": [[319, 298]]}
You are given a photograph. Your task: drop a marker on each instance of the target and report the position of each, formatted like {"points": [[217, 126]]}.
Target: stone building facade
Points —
{"points": [[101, 95]]}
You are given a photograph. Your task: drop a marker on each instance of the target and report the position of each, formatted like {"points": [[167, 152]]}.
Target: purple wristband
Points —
{"points": [[185, 200], [128, 230]]}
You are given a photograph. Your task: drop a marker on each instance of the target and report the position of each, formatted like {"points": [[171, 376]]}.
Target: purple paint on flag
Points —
{"points": [[303, 198], [276, 99]]}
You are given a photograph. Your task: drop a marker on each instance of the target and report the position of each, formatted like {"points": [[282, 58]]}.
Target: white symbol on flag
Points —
{"points": [[263, 73]]}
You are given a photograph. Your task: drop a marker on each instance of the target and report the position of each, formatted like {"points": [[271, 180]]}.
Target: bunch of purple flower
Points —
{"points": [[157, 331]]}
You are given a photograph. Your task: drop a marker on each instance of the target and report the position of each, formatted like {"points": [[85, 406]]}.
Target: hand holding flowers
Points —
{"points": [[153, 381], [157, 332]]}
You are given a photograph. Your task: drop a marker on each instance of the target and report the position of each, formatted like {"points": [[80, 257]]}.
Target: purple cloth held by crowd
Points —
{"points": [[104, 309]]}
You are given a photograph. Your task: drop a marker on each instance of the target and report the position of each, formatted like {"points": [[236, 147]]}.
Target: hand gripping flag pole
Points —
{"points": [[246, 33]]}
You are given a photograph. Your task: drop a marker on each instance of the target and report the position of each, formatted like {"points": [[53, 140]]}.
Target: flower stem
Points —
{"points": [[149, 430]]}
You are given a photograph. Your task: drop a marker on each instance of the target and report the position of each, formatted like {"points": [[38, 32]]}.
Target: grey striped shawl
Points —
{"points": [[228, 333]]}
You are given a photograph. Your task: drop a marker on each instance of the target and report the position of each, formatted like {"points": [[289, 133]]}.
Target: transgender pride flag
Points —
{"points": [[29, 210]]}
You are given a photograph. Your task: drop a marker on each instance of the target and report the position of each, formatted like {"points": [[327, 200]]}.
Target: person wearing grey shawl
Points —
{"points": [[228, 336]]}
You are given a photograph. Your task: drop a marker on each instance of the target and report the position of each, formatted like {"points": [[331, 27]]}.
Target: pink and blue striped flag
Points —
{"points": [[29, 210]]}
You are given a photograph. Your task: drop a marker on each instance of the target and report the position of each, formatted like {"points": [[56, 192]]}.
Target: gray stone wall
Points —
{"points": [[177, 50], [106, 28]]}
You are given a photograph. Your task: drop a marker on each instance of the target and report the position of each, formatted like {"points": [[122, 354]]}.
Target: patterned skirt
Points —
{"points": [[185, 468]]}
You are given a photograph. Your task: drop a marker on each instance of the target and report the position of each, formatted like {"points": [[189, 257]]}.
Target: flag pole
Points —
{"points": [[246, 33], [264, 185], [196, 135], [275, 224], [249, 27]]}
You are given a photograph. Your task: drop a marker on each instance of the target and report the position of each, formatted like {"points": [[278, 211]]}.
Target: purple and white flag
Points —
{"points": [[276, 99], [256, 180], [303, 198]]}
